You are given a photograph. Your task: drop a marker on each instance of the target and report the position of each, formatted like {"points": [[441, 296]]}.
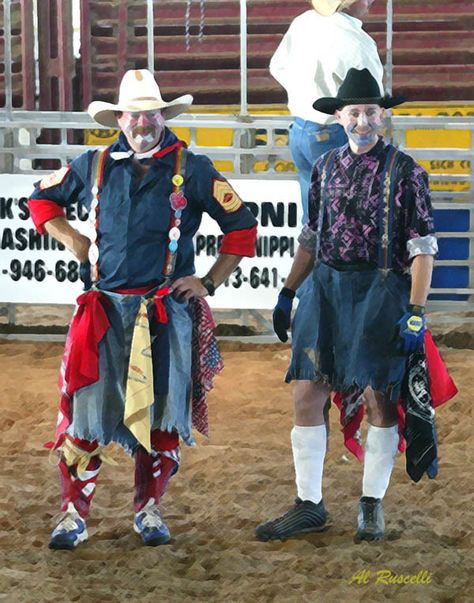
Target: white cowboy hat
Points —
{"points": [[329, 7], [138, 92]]}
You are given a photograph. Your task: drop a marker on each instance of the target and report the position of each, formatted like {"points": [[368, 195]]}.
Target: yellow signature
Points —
{"points": [[388, 577]]}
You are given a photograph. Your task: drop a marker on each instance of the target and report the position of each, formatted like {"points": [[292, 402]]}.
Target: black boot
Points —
{"points": [[305, 516], [370, 521]]}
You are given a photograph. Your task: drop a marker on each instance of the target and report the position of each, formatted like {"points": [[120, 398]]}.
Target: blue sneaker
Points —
{"points": [[151, 527], [70, 531]]}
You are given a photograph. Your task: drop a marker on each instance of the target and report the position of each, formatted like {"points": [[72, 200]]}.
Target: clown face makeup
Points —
{"points": [[361, 123], [143, 129]]}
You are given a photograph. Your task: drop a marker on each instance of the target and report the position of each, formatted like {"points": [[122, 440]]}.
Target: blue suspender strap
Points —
{"points": [[386, 209], [326, 170], [178, 203]]}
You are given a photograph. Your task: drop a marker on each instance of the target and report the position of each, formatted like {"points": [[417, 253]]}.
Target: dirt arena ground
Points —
{"points": [[228, 484]]}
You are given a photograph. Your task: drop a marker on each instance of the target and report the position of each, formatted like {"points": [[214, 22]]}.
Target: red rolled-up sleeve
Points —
{"points": [[43, 210], [240, 242]]}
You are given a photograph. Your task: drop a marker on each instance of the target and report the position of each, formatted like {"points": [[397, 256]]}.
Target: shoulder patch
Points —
{"points": [[225, 195], [54, 178]]}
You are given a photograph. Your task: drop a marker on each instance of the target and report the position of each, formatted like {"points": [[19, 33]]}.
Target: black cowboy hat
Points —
{"points": [[358, 88]]}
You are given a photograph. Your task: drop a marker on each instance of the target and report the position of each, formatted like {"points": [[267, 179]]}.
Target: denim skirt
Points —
{"points": [[345, 330], [98, 409]]}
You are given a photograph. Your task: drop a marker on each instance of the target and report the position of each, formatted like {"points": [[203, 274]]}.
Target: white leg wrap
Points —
{"points": [[309, 450], [380, 450]]}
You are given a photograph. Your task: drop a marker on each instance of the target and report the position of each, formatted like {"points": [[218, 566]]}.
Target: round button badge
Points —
{"points": [[178, 200], [93, 254], [177, 180], [174, 234]]}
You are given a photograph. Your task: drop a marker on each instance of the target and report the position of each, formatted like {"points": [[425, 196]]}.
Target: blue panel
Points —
{"points": [[451, 220], [453, 249], [453, 277], [445, 296]]}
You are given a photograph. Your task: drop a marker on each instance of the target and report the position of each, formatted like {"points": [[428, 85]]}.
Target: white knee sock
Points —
{"points": [[309, 450], [380, 450]]}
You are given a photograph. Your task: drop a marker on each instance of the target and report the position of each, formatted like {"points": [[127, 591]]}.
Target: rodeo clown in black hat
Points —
{"points": [[369, 245]]}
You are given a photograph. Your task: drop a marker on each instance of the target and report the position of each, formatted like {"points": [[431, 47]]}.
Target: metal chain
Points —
{"points": [[187, 22], [201, 21]]}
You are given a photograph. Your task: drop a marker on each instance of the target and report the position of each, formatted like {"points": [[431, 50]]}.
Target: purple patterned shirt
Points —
{"points": [[350, 231]]}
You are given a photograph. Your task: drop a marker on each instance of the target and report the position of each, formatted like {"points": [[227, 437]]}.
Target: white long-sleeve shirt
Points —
{"points": [[314, 57]]}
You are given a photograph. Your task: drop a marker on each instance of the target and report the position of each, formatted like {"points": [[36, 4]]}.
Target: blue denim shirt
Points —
{"points": [[134, 214]]}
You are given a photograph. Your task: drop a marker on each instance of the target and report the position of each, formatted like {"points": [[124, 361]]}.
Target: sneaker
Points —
{"points": [[305, 516], [151, 527], [370, 521], [70, 531]]}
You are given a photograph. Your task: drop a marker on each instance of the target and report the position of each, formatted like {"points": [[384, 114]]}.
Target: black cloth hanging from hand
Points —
{"points": [[420, 427]]}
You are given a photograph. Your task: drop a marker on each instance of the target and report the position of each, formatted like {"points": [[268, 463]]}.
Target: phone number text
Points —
{"points": [[255, 277], [38, 271]]}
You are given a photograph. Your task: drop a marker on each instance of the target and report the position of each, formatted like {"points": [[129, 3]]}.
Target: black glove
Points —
{"points": [[282, 313], [85, 274]]}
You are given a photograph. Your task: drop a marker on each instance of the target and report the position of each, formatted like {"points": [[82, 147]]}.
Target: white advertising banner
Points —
{"points": [[36, 269]]}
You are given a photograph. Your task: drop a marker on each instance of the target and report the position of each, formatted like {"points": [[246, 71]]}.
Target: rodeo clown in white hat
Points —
{"points": [[140, 351]]}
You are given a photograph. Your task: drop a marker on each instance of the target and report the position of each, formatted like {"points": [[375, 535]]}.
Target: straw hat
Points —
{"points": [[138, 92], [329, 7], [358, 88]]}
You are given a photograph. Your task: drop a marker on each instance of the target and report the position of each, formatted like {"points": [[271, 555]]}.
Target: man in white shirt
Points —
{"points": [[312, 60]]}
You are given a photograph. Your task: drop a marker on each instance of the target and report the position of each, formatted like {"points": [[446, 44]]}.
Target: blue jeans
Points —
{"points": [[308, 141]]}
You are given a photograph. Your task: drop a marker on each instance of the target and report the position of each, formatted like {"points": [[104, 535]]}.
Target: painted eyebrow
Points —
{"points": [[356, 111]]}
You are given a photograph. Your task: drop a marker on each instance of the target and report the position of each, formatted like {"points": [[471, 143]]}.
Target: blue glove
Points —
{"points": [[282, 313], [412, 327]]}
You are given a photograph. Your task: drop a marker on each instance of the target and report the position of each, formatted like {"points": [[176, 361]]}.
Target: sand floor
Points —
{"points": [[226, 485]]}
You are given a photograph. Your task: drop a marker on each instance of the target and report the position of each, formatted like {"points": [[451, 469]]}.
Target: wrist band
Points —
{"points": [[415, 309], [209, 284], [289, 293]]}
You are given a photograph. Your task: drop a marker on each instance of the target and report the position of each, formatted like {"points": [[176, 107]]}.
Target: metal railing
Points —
{"points": [[25, 127], [20, 130], [256, 152]]}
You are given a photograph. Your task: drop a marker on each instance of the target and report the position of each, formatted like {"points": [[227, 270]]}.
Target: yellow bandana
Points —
{"points": [[73, 455], [139, 395]]}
